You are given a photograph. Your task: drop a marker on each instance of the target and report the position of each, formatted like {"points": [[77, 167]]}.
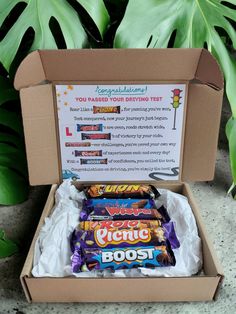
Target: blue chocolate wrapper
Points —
{"points": [[125, 203], [122, 258]]}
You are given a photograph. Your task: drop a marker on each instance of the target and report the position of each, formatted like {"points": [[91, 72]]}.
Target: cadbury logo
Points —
{"points": [[104, 237], [113, 211]]}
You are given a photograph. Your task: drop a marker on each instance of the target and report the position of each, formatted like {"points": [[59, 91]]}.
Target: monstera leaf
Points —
{"points": [[189, 23], [7, 247], [7, 92], [37, 15], [17, 17], [151, 23], [13, 167], [231, 135]]}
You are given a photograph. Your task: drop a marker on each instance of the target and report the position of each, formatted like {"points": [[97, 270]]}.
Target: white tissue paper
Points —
{"points": [[52, 249]]}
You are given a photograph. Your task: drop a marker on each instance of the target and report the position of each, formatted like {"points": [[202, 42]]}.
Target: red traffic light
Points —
{"points": [[176, 91]]}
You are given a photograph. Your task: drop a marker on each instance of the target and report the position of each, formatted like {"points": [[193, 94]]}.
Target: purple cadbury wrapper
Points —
{"points": [[109, 238], [121, 213], [122, 258]]}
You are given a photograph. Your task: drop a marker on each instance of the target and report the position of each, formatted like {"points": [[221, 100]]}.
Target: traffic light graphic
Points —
{"points": [[176, 103]]}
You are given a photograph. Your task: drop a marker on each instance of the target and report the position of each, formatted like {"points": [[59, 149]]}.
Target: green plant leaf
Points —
{"points": [[231, 135], [11, 140], [14, 187], [37, 15], [98, 12], [13, 158], [7, 247], [11, 120], [229, 126], [151, 23], [7, 92]]}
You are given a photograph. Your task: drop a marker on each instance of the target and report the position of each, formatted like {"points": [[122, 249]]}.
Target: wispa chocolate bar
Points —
{"points": [[121, 191], [122, 258], [123, 213], [119, 213], [125, 203], [89, 127]]}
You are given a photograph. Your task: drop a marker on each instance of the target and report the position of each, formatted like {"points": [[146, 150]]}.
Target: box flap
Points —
{"points": [[201, 132], [40, 134], [208, 71], [138, 64], [30, 71], [110, 66]]}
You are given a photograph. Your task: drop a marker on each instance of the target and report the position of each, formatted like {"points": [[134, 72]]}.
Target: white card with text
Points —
{"points": [[121, 132]]}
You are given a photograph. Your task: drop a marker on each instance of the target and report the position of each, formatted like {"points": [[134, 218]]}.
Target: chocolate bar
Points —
{"points": [[125, 203], [88, 153], [89, 127], [124, 213], [122, 209], [77, 144], [109, 238], [106, 109], [169, 231], [122, 258], [93, 161], [95, 136], [118, 224], [170, 234], [121, 191]]}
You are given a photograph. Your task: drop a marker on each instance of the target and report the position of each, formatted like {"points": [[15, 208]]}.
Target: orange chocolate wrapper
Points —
{"points": [[106, 109]]}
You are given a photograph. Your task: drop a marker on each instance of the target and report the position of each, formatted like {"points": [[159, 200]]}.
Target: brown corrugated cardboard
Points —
{"points": [[133, 65], [196, 288], [201, 133], [40, 134], [196, 67]]}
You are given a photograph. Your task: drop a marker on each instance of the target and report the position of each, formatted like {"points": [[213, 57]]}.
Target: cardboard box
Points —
{"points": [[196, 68]]}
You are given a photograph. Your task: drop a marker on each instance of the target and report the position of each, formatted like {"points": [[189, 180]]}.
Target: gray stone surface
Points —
{"points": [[217, 209]]}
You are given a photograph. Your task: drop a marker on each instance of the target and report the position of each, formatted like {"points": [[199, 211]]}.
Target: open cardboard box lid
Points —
{"points": [[41, 69]]}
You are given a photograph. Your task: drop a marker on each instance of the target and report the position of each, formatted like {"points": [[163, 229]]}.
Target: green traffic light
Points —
{"points": [[175, 104]]}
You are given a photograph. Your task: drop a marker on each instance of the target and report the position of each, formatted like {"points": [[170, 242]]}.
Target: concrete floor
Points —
{"points": [[218, 211]]}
